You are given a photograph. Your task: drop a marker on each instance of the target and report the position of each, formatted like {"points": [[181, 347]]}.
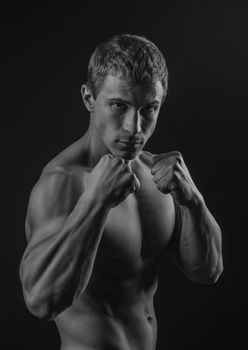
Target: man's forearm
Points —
{"points": [[56, 270], [200, 243]]}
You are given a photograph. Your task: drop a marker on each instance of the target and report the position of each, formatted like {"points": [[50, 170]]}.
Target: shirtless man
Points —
{"points": [[104, 211]]}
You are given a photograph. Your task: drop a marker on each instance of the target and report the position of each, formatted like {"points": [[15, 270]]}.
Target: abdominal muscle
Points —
{"points": [[106, 323]]}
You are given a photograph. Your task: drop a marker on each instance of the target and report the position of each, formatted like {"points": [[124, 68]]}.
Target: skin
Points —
{"points": [[100, 217]]}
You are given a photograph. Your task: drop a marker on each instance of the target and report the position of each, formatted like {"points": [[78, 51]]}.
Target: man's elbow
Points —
{"points": [[38, 307], [206, 275], [34, 297], [215, 274]]}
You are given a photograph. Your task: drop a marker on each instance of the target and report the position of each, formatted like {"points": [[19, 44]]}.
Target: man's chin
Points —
{"points": [[128, 155]]}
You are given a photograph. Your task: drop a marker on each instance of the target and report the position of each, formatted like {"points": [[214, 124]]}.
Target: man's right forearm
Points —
{"points": [[55, 271]]}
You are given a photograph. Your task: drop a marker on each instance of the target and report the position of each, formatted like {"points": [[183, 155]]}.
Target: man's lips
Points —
{"points": [[130, 142]]}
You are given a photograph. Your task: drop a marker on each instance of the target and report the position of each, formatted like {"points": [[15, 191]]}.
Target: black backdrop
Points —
{"points": [[45, 51]]}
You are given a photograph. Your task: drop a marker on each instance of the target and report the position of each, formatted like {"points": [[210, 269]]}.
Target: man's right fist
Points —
{"points": [[112, 180]]}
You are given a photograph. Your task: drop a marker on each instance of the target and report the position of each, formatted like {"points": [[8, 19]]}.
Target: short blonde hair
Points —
{"points": [[133, 57]]}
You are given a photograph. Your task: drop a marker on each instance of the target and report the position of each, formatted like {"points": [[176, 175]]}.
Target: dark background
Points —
{"points": [[45, 51]]}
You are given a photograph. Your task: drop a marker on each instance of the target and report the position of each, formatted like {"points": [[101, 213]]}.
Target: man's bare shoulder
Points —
{"points": [[59, 181], [53, 196], [67, 168], [73, 157]]}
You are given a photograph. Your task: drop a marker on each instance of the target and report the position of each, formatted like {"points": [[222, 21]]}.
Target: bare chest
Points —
{"points": [[136, 231]]}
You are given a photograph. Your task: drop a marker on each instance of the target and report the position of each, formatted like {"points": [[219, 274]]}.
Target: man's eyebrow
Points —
{"points": [[119, 99], [155, 102]]}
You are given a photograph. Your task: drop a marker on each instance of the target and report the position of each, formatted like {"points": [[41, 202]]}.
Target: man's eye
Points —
{"points": [[149, 109], [118, 106]]}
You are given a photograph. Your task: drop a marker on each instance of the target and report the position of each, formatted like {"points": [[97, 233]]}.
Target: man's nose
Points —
{"points": [[132, 124]]}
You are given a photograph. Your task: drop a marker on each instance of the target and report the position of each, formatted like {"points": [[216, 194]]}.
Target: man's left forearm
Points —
{"points": [[196, 246], [200, 243]]}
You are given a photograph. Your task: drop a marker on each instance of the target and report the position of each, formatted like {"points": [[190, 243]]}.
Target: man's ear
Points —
{"points": [[88, 99]]}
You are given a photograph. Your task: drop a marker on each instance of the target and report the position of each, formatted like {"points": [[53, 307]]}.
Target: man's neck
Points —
{"points": [[95, 148]]}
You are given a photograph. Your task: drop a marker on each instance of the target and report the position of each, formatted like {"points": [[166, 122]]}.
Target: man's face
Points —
{"points": [[125, 117]]}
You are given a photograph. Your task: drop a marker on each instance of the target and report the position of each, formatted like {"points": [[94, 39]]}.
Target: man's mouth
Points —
{"points": [[130, 142]]}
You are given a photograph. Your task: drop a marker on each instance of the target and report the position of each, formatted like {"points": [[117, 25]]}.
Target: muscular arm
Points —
{"points": [[196, 243], [65, 234]]}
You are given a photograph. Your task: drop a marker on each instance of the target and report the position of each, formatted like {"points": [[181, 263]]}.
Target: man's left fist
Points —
{"points": [[171, 175]]}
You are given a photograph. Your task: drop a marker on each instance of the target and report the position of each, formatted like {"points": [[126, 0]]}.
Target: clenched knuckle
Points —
{"points": [[176, 163], [176, 177], [155, 179], [179, 155]]}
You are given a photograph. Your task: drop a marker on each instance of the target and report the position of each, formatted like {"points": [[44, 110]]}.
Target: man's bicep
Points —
{"points": [[50, 203]]}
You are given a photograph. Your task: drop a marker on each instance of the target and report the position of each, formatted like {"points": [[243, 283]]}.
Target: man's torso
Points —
{"points": [[116, 310]]}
